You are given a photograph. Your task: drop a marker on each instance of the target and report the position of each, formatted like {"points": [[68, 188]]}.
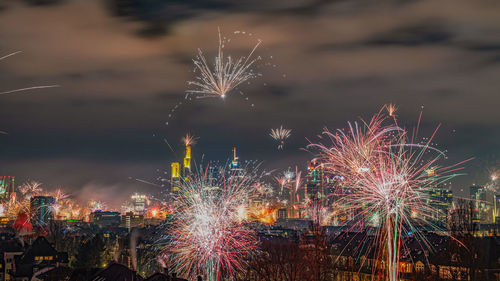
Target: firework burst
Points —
{"points": [[30, 189], [280, 134], [391, 109], [189, 140], [210, 238], [225, 75], [386, 176]]}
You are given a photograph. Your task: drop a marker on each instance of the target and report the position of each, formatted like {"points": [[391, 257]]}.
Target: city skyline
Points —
{"points": [[105, 125]]}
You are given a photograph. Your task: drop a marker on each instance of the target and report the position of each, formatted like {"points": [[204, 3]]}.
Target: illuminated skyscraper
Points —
{"points": [[130, 220], [441, 201], [478, 197], [42, 210], [235, 165], [139, 203], [175, 178], [187, 162], [6, 187], [315, 185], [496, 209]]}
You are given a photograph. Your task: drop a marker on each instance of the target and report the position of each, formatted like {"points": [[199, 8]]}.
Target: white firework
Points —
{"points": [[280, 134], [225, 75]]}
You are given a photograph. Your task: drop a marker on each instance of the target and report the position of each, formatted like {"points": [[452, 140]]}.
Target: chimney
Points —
{"points": [[134, 275]]}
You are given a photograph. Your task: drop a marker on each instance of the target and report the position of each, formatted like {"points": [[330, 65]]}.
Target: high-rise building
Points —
{"points": [[496, 209], [42, 210], [139, 203], [441, 201], [234, 166], [105, 218], [187, 162], [130, 220], [315, 181], [175, 178], [6, 187], [478, 197]]}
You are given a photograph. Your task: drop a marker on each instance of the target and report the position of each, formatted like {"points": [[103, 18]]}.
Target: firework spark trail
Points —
{"points": [[387, 176], [24, 89], [209, 237], [29, 88], [280, 134], [226, 74]]}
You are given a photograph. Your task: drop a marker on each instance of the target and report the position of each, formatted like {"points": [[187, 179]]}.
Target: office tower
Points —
{"points": [[315, 181], [41, 208], [175, 178], [440, 200], [496, 209], [139, 203], [478, 197], [187, 162], [6, 187], [234, 166]]}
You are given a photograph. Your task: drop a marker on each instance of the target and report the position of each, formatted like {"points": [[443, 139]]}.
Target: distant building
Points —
{"points": [[315, 181], [6, 187], [478, 197], [441, 201], [234, 166], [42, 210], [130, 220], [105, 218], [496, 209], [139, 203], [175, 178], [282, 213], [187, 161]]}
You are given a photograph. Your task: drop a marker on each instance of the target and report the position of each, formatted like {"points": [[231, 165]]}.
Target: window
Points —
{"points": [[419, 266]]}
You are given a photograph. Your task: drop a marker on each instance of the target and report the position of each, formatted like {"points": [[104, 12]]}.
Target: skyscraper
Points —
{"points": [[175, 178], [478, 197], [234, 166], [42, 210], [315, 181], [6, 187], [187, 162], [496, 209], [441, 200], [139, 203]]}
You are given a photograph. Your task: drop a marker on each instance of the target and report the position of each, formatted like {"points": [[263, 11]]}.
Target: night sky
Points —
{"points": [[324, 63]]}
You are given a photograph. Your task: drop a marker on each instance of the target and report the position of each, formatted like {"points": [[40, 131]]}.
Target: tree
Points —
{"points": [[319, 262], [277, 260], [463, 245], [90, 253]]}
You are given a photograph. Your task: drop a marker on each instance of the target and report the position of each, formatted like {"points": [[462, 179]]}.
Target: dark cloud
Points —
{"points": [[421, 34]]}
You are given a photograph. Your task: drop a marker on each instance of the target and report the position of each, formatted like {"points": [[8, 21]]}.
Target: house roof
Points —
{"points": [[158, 277], [116, 272]]}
